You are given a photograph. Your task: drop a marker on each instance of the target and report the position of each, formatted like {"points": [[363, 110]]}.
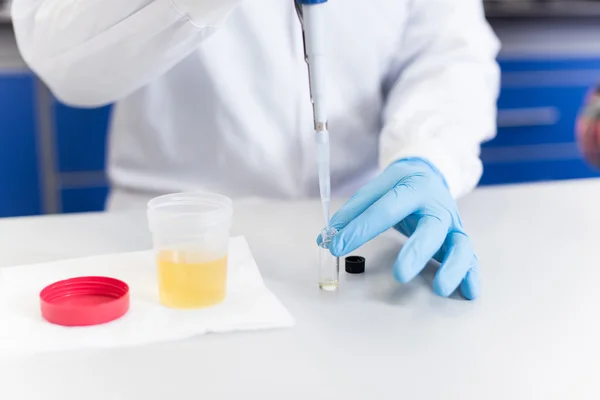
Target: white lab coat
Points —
{"points": [[213, 94]]}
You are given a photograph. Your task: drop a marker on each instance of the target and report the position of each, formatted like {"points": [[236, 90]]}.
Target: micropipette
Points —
{"points": [[310, 13]]}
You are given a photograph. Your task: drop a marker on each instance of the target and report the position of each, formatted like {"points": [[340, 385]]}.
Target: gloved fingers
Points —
{"points": [[459, 259], [470, 285], [386, 212], [363, 199], [420, 248]]}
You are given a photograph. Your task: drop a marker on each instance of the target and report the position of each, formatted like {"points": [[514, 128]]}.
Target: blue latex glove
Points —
{"points": [[411, 196]]}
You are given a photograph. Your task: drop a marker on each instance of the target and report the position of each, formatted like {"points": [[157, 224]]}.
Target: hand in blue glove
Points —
{"points": [[411, 196]]}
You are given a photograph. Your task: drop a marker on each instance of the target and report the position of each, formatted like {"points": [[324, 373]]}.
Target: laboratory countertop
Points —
{"points": [[532, 335]]}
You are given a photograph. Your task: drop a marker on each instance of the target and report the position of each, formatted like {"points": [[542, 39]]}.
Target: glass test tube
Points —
{"points": [[329, 265]]}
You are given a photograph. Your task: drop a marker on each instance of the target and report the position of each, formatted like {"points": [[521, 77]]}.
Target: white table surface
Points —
{"points": [[534, 333]]}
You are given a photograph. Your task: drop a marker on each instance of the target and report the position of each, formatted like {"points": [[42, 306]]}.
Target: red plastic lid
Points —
{"points": [[84, 301]]}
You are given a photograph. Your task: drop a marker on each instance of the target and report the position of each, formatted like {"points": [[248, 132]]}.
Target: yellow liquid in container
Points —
{"points": [[185, 284]]}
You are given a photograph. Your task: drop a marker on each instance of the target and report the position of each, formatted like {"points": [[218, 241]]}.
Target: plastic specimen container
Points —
{"points": [[190, 233]]}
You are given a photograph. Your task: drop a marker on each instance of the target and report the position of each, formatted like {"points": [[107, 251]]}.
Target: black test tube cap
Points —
{"points": [[355, 264]]}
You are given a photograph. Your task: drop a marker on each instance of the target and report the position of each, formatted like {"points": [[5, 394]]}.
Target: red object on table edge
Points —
{"points": [[84, 301]]}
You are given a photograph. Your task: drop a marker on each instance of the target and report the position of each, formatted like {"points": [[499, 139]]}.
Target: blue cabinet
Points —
{"points": [[19, 173], [51, 156], [537, 111], [530, 116], [538, 170], [80, 137]]}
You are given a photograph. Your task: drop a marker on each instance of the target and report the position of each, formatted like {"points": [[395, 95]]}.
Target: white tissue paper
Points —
{"points": [[249, 305]]}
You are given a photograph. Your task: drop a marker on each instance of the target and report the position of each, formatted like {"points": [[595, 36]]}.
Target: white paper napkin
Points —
{"points": [[249, 305]]}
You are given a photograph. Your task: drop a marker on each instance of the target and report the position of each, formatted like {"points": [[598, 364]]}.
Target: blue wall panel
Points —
{"points": [[81, 137], [83, 200]]}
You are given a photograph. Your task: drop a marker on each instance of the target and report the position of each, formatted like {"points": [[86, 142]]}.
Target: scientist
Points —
{"points": [[213, 95]]}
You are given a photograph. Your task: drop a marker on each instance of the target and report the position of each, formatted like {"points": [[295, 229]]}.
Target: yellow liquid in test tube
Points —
{"points": [[190, 284]]}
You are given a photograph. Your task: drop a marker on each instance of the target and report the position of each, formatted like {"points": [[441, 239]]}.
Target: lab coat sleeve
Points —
{"points": [[442, 92], [94, 52]]}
